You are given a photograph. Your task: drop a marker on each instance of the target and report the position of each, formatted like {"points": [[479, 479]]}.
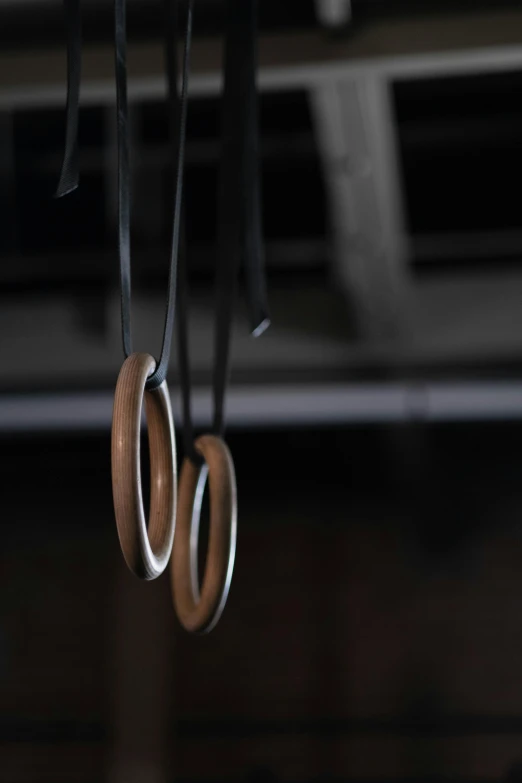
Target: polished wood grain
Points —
{"points": [[199, 611], [145, 552]]}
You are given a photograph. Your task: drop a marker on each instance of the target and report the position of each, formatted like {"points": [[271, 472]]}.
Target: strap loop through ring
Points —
{"points": [[199, 611], [145, 552]]}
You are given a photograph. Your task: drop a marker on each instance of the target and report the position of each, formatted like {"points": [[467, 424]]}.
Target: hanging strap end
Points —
{"points": [[261, 326], [64, 189]]}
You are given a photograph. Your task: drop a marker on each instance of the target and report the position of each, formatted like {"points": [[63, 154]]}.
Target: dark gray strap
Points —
{"points": [[159, 374], [171, 60], [69, 173], [239, 209], [253, 247], [239, 201]]}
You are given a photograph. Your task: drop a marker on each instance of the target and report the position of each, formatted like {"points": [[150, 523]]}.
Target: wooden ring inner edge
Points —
{"points": [[145, 552], [199, 610]]}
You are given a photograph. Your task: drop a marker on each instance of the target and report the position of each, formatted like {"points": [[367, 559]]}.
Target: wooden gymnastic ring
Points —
{"points": [[145, 552], [199, 612]]}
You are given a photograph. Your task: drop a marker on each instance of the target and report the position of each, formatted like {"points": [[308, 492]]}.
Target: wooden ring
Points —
{"points": [[145, 552], [199, 612]]}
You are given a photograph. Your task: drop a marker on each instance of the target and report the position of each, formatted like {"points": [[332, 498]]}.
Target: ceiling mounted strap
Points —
{"points": [[239, 239], [124, 192], [239, 205], [70, 167]]}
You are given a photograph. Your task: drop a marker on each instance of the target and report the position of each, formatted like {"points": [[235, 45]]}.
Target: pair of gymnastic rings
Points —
{"points": [[174, 514], [174, 511]]}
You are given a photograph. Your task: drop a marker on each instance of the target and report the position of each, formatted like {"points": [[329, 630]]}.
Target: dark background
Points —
{"points": [[372, 631]]}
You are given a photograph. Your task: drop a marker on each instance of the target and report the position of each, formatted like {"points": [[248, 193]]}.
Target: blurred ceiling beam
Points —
{"points": [[449, 43], [285, 406], [333, 13], [470, 320], [356, 135]]}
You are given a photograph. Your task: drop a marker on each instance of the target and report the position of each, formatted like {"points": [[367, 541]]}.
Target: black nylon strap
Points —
{"points": [[159, 374], [171, 60], [239, 212], [69, 173], [253, 249], [239, 202], [122, 116]]}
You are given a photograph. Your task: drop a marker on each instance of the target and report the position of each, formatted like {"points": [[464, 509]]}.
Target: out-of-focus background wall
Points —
{"points": [[373, 628]]}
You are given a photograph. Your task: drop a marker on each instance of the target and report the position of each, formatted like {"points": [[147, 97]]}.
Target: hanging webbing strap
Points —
{"points": [[239, 239], [239, 214], [69, 173], [171, 61], [124, 191], [239, 203]]}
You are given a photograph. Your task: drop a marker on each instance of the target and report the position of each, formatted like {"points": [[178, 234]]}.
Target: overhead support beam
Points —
{"points": [[333, 13], [355, 132], [403, 48], [284, 406]]}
